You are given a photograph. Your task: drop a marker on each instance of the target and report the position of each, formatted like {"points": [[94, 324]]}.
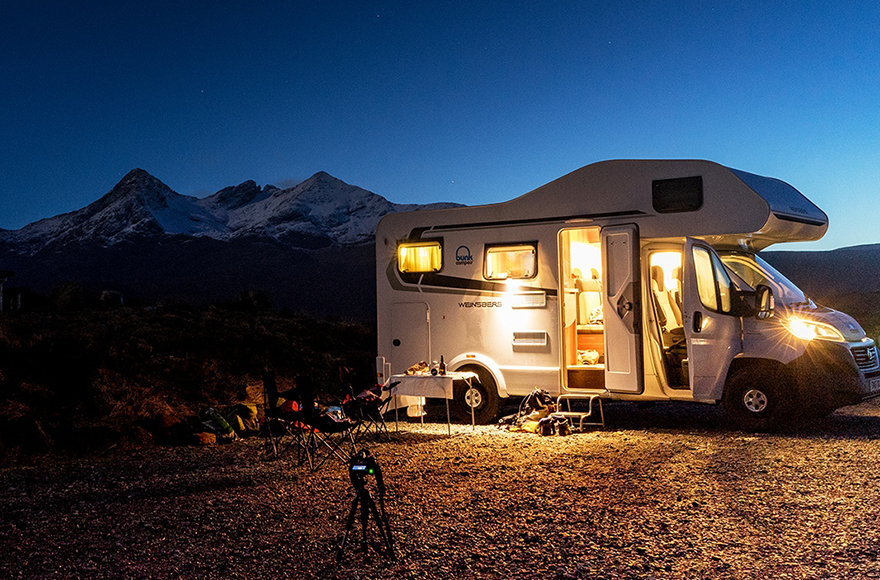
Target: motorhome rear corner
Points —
{"points": [[636, 280]]}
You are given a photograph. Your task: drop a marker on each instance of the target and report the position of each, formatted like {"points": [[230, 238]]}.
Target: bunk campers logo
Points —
{"points": [[463, 256]]}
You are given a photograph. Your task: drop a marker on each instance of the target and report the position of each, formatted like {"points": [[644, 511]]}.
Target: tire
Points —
{"points": [[755, 399], [483, 394]]}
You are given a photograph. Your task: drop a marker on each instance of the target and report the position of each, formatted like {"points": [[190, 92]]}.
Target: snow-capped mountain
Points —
{"points": [[321, 211], [307, 248], [321, 206]]}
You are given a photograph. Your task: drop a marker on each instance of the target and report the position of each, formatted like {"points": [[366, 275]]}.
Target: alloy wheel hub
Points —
{"points": [[473, 398], [755, 400]]}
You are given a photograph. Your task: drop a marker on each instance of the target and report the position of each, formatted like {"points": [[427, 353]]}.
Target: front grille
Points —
{"points": [[866, 356]]}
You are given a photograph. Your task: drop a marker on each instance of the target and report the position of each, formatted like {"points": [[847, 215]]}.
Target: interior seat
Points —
{"points": [[668, 312]]}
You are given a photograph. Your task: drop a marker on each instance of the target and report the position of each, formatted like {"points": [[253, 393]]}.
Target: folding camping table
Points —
{"points": [[433, 386]]}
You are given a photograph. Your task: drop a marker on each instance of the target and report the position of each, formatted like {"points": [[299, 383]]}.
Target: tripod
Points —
{"points": [[361, 465]]}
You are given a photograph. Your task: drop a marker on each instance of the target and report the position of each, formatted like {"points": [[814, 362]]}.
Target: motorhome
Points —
{"points": [[634, 280]]}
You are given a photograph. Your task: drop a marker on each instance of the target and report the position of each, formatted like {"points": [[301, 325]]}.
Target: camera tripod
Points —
{"points": [[361, 465]]}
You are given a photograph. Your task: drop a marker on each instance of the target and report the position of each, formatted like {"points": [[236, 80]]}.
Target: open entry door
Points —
{"points": [[713, 331], [622, 305]]}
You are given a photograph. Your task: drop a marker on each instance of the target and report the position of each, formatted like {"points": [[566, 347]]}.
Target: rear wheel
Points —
{"points": [[482, 397], [755, 399]]}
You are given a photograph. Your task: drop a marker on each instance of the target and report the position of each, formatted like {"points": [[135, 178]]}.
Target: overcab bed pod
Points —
{"points": [[605, 281]]}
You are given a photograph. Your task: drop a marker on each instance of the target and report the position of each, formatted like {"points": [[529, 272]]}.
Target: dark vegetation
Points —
{"points": [[79, 373], [77, 379], [199, 271]]}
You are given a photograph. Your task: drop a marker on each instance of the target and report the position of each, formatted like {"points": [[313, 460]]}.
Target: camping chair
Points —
{"points": [[282, 429], [316, 437], [369, 409], [327, 436]]}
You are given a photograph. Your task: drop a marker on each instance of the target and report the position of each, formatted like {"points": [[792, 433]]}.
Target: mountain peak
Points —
{"points": [[321, 178], [236, 196], [320, 211], [137, 189], [140, 177], [137, 173]]}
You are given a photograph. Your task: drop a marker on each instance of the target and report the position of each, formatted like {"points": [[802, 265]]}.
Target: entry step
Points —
{"points": [[581, 419]]}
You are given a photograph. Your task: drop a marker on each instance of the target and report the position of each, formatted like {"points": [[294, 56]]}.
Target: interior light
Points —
{"points": [[419, 257], [810, 329]]}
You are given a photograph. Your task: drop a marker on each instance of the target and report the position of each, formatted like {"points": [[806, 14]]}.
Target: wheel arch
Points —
{"points": [[766, 381], [767, 366], [475, 359]]}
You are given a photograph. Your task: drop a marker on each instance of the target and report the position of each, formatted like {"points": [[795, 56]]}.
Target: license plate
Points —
{"points": [[874, 385]]}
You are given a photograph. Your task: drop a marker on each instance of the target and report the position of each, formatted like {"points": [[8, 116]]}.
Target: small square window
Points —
{"points": [[511, 262], [419, 257], [677, 195]]}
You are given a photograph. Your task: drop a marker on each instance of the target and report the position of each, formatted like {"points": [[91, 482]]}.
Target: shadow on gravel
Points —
{"points": [[856, 422], [107, 496], [415, 438], [664, 416], [847, 423], [843, 425]]}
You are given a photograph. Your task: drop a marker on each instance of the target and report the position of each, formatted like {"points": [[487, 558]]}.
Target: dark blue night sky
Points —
{"points": [[471, 102]]}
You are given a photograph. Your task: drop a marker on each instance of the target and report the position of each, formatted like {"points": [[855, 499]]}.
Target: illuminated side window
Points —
{"points": [[705, 278], [419, 257], [713, 282], [511, 262]]}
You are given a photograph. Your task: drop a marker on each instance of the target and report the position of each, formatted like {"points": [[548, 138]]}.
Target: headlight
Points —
{"points": [[810, 329]]}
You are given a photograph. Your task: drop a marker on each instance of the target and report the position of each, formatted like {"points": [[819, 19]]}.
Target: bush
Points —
{"points": [[97, 370]]}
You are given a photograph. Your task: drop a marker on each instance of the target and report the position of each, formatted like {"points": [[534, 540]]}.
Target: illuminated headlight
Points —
{"points": [[810, 329]]}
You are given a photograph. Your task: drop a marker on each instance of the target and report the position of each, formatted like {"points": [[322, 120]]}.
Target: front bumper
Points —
{"points": [[828, 374]]}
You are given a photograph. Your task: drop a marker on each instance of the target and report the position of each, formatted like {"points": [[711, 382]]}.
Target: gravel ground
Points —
{"points": [[665, 492]]}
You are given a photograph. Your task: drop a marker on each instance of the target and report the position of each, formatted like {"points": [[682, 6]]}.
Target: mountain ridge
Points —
{"points": [[307, 247], [320, 211]]}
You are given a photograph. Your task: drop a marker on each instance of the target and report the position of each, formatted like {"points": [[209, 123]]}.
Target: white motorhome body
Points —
{"points": [[607, 281]]}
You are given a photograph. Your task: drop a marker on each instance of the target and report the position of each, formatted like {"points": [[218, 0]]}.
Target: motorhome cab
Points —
{"points": [[633, 280]]}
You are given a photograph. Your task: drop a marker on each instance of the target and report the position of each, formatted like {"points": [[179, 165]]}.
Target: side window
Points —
{"points": [[724, 285], [705, 278], [713, 282], [418, 257], [510, 262], [677, 195]]}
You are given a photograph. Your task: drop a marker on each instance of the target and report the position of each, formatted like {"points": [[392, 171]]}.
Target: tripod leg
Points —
{"points": [[387, 526], [365, 518], [349, 525], [384, 530]]}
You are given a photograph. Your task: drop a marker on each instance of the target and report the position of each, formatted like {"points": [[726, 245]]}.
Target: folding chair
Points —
{"points": [[369, 409], [296, 425], [327, 437], [282, 429]]}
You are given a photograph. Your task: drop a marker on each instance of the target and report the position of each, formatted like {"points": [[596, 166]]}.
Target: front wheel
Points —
{"points": [[482, 397], [755, 400]]}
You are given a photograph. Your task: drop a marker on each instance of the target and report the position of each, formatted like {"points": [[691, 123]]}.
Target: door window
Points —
{"points": [[723, 283], [713, 283]]}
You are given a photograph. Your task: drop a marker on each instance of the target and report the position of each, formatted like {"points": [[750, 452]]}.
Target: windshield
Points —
{"points": [[753, 270]]}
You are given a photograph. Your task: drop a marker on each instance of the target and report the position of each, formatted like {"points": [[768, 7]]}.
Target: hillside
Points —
{"points": [[832, 273], [87, 379], [308, 248]]}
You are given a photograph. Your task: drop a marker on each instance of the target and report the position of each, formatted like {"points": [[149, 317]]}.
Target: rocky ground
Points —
{"points": [[665, 492]]}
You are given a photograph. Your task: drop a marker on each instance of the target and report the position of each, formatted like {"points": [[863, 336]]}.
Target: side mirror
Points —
{"points": [[764, 302]]}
